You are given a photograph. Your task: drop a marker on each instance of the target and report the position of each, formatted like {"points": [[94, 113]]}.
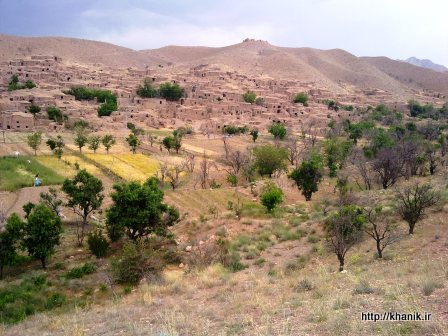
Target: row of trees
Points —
{"points": [[82, 138]]}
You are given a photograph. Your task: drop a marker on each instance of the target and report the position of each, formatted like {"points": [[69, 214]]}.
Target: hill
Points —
{"points": [[72, 50], [335, 69], [411, 75], [426, 63]]}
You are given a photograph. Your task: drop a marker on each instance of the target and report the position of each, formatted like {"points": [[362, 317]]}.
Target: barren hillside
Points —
{"points": [[71, 49], [333, 68]]}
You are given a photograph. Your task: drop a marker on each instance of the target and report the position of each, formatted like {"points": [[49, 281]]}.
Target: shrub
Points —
{"points": [[250, 97], [269, 159], [302, 98], [55, 300], [278, 130], [271, 196], [363, 287], [98, 244], [79, 272], [54, 113], [146, 90], [304, 285], [429, 286], [232, 179]]}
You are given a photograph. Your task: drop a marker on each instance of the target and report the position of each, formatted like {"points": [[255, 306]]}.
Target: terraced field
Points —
{"points": [[137, 167], [198, 202]]}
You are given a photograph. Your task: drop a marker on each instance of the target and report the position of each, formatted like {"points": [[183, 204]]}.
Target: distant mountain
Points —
{"points": [[426, 63]]}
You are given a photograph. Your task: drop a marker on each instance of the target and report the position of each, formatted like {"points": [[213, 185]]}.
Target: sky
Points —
{"points": [[394, 28]]}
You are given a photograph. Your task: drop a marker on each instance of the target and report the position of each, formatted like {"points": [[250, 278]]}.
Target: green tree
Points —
{"points": [[171, 92], [14, 83], [250, 97], [302, 98], [33, 109], [94, 142], [8, 241], [81, 138], [138, 210], [269, 159], [307, 177], [344, 229], [56, 145], [34, 141], [41, 233], [336, 151], [146, 90], [278, 130], [108, 141], [84, 194], [413, 201], [168, 143], [54, 114], [254, 134], [133, 142], [271, 196]]}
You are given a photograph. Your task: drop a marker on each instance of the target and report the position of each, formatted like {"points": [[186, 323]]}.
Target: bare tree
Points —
{"points": [[413, 201], [189, 162], [309, 133], [205, 167], [162, 173], [411, 153], [292, 145], [388, 166], [236, 160], [225, 140], [382, 229], [362, 165], [150, 138], [173, 176], [431, 158]]}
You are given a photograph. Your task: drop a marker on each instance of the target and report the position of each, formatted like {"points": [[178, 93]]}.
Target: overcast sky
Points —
{"points": [[394, 28]]}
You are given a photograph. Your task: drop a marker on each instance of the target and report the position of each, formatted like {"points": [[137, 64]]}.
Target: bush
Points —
{"points": [[304, 285], [302, 98], [55, 300], [271, 196], [429, 286], [249, 97], [278, 130], [232, 179], [363, 287], [79, 272], [146, 90], [98, 244], [54, 114]]}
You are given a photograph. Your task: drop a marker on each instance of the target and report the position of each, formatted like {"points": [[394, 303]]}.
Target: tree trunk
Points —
{"points": [[378, 248], [411, 228], [341, 263], [44, 265], [1, 271]]}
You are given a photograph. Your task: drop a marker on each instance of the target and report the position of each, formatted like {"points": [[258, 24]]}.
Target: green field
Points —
{"points": [[16, 173]]}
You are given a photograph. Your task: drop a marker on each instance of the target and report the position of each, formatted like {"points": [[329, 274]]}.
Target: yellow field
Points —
{"points": [[62, 168], [137, 167]]}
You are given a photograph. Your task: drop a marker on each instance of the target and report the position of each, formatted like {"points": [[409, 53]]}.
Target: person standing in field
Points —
{"points": [[37, 181]]}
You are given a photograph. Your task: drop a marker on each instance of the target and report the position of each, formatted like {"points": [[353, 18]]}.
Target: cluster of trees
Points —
{"points": [[168, 91], [137, 211], [14, 84], [427, 110], [235, 130], [350, 223], [108, 100]]}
